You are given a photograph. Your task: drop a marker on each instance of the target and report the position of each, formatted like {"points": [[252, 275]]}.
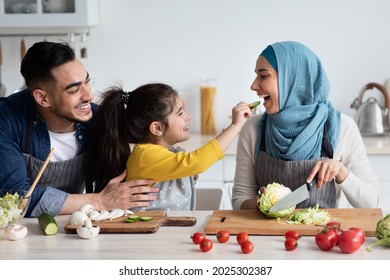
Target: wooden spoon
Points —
{"points": [[23, 204]]}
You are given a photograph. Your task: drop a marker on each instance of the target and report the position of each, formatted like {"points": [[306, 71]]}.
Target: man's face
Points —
{"points": [[70, 98]]}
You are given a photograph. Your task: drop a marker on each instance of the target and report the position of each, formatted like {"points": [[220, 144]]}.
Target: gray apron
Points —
{"points": [[176, 194], [293, 174], [67, 176]]}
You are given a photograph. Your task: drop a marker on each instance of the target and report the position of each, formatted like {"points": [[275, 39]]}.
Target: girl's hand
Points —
{"points": [[240, 113], [327, 170]]}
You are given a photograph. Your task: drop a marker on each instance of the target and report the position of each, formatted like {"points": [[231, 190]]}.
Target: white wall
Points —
{"points": [[180, 41]]}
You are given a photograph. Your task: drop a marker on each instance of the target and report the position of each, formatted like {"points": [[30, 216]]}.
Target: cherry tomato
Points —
{"points": [[361, 234], [241, 237], [223, 236], [336, 227], [197, 237], [247, 247], [292, 234], [349, 241], [290, 244], [205, 245], [326, 239]]}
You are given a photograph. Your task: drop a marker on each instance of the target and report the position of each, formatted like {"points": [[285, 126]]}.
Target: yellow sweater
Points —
{"points": [[150, 161]]}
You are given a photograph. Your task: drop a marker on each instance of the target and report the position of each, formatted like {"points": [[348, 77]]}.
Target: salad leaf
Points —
{"points": [[310, 216]]}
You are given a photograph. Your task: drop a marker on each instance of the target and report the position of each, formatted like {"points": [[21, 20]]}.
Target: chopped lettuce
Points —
{"points": [[309, 216], [9, 209]]}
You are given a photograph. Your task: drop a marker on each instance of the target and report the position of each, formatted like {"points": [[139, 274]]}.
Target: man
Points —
{"points": [[56, 110]]}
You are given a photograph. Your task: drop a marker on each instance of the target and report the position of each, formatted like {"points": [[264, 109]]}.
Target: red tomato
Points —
{"points": [[197, 237], [361, 234], [206, 245], [336, 227], [349, 241], [292, 234], [290, 244], [241, 237], [223, 236], [247, 247], [326, 239]]}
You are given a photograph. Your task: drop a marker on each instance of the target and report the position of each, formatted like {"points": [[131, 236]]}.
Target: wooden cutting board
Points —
{"points": [[255, 223], [120, 225]]}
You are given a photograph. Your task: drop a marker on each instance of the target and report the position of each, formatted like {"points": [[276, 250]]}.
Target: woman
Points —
{"points": [[300, 137]]}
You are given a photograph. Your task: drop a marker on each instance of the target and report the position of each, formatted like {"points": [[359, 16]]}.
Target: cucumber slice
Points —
{"points": [[146, 219], [133, 218], [48, 223], [254, 105]]}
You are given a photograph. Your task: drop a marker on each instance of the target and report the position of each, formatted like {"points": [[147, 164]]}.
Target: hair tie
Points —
{"points": [[125, 96]]}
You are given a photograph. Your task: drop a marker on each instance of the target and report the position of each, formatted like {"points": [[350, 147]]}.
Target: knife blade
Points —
{"points": [[292, 199]]}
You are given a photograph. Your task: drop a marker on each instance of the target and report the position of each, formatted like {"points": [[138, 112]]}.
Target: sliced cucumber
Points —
{"points": [[254, 105], [133, 218], [48, 223], [146, 219]]}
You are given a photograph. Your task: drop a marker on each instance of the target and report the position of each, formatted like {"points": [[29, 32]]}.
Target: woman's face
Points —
{"points": [[266, 85]]}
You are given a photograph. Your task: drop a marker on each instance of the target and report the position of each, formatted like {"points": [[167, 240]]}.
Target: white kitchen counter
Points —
{"points": [[168, 243]]}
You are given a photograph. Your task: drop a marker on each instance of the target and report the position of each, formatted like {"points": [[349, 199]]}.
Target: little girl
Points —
{"points": [[153, 119]]}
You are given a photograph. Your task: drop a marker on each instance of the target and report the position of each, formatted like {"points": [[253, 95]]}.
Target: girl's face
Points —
{"points": [[177, 130], [266, 85]]}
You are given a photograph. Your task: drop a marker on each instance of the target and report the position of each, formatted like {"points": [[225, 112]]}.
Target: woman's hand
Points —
{"points": [[326, 170], [128, 194]]}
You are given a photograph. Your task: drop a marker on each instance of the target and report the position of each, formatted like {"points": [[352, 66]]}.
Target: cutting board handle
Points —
{"points": [[178, 221]]}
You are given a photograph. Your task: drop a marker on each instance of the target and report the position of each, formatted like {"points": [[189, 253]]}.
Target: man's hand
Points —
{"points": [[127, 194]]}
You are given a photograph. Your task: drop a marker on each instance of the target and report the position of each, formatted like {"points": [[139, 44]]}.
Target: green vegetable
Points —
{"points": [[310, 216], [254, 105], [383, 228], [273, 194], [146, 219], [382, 233], [48, 223], [133, 218], [9, 209]]}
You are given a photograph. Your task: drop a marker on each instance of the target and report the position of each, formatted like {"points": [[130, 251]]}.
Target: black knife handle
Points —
{"points": [[311, 184]]}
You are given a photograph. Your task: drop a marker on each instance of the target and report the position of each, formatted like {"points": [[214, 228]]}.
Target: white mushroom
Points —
{"points": [[77, 218], [86, 208], [87, 230], [93, 214], [102, 216], [15, 232], [115, 213]]}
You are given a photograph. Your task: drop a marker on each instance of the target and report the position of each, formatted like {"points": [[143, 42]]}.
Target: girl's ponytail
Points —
{"points": [[112, 148]]}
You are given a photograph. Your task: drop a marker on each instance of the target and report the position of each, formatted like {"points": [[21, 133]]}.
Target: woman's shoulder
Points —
{"points": [[348, 125]]}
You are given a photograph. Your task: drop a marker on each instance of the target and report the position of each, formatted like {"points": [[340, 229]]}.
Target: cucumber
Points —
{"points": [[48, 223], [133, 218], [146, 219], [254, 105]]}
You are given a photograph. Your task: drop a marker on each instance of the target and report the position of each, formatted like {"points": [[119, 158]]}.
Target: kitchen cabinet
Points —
{"points": [[47, 16]]}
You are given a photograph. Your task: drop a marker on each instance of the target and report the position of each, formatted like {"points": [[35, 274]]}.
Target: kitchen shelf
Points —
{"points": [[47, 16]]}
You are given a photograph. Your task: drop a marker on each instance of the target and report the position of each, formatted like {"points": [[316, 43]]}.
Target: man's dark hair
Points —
{"points": [[41, 58]]}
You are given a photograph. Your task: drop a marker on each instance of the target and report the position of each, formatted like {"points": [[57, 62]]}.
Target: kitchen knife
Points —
{"points": [[292, 199]]}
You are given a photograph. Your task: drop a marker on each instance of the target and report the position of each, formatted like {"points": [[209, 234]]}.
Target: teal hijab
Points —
{"points": [[296, 131]]}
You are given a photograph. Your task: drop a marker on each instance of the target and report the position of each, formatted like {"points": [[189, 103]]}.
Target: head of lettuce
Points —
{"points": [[274, 192]]}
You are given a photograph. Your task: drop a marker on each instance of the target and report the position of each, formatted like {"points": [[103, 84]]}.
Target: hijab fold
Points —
{"points": [[296, 131]]}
